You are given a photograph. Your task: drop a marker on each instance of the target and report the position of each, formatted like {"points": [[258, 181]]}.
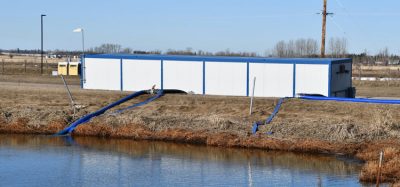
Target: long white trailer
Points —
{"points": [[275, 77]]}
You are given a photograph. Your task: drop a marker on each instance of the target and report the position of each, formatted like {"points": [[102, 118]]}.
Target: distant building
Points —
{"points": [[380, 63], [394, 62]]}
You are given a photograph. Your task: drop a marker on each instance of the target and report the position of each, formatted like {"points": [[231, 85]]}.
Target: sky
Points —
{"points": [[208, 25]]}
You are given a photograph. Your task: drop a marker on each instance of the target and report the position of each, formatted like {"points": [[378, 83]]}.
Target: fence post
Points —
{"points": [[378, 177], [2, 60], [47, 65]]}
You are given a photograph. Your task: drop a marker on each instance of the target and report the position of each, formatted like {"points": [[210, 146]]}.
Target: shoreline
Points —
{"points": [[364, 151]]}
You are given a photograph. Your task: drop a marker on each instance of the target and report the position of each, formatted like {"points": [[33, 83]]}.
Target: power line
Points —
{"points": [[337, 25]]}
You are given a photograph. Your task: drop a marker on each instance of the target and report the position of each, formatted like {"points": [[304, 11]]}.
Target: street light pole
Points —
{"points": [[83, 38], [83, 43], [83, 53], [41, 49]]}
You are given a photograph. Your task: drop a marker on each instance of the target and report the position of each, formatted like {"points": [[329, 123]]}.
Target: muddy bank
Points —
{"points": [[366, 151], [355, 129]]}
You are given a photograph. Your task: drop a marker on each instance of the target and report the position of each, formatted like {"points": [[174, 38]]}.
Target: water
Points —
{"points": [[59, 161]]}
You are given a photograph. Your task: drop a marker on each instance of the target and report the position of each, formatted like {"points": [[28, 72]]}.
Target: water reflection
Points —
{"points": [[84, 161]]}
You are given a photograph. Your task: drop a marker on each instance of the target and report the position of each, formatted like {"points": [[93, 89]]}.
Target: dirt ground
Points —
{"points": [[39, 104], [392, 71]]}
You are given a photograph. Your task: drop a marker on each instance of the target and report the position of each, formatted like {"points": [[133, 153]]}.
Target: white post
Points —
{"points": [[252, 96], [378, 177]]}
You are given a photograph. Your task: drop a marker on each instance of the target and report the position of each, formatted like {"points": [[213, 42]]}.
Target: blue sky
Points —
{"points": [[210, 25]]}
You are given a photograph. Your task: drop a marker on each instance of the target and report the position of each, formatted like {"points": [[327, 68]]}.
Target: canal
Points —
{"points": [[27, 160]]}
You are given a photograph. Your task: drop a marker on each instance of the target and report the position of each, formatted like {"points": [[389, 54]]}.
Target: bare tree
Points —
{"points": [[383, 56], [127, 50], [296, 48], [338, 47], [280, 49], [107, 48], [312, 47]]}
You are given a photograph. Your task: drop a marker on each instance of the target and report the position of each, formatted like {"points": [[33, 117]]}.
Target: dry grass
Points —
{"points": [[301, 126], [391, 163], [377, 71]]}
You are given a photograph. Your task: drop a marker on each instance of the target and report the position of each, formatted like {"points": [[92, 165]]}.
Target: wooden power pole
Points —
{"points": [[324, 13]]}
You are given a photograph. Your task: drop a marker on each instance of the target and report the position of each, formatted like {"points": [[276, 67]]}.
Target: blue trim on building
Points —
{"points": [[162, 74], [294, 79], [247, 79], [204, 77], [122, 73], [213, 59], [80, 76], [329, 80], [351, 73], [341, 60], [225, 59]]}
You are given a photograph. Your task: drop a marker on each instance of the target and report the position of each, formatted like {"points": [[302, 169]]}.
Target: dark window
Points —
{"points": [[342, 69]]}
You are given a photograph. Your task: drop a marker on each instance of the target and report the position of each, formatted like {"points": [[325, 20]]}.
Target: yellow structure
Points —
{"points": [[62, 68], [73, 68]]}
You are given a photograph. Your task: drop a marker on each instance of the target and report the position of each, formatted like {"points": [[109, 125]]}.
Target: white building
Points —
{"points": [[275, 77]]}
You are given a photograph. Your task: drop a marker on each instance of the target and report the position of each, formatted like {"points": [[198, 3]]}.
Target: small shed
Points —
{"points": [[62, 68], [275, 77], [73, 68]]}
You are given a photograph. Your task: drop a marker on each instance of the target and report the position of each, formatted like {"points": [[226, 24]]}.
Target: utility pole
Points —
{"points": [[324, 14], [41, 51]]}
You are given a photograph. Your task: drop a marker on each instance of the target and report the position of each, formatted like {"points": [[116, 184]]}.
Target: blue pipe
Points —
{"points": [[88, 117], [158, 95], [270, 118], [354, 100], [320, 98]]}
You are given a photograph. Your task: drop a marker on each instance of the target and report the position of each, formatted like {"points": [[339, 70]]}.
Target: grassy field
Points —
{"points": [[376, 71], [28, 64]]}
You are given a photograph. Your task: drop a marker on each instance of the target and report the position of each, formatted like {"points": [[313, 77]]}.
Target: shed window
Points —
{"points": [[342, 69]]}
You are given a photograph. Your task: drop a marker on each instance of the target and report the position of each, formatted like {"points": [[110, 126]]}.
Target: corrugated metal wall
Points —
{"points": [[312, 79], [102, 74], [184, 75], [213, 78], [272, 80]]}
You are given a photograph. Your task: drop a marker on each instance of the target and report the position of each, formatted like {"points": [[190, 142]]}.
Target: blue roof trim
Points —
{"points": [[342, 61], [225, 59]]}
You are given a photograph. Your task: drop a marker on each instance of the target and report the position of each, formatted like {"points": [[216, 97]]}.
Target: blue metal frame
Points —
{"points": [[351, 74], [162, 74], [81, 75], [294, 79], [204, 77], [248, 79], [121, 73], [226, 59], [329, 80]]}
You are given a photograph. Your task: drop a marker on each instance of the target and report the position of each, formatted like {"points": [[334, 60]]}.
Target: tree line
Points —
{"points": [[337, 47], [303, 47]]}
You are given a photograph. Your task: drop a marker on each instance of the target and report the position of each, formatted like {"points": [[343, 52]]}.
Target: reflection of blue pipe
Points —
{"points": [[270, 118], [355, 100], [87, 118], [69, 141]]}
